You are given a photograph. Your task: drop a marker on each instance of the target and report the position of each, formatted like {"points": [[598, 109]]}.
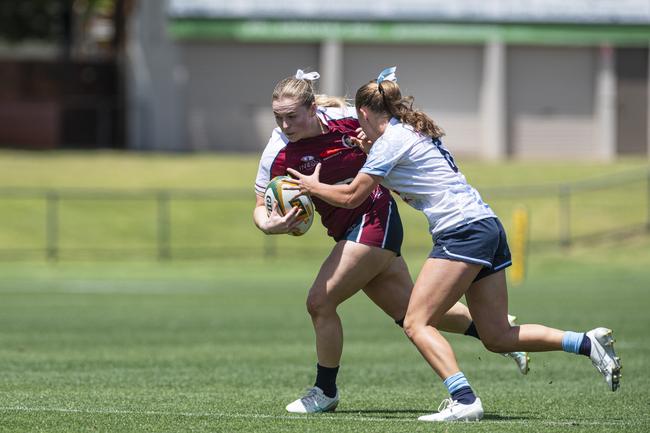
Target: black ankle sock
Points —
{"points": [[585, 346], [471, 331], [464, 395], [326, 379]]}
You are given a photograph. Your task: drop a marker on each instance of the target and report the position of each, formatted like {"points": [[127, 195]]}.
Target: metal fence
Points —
{"points": [[65, 223], [624, 199]]}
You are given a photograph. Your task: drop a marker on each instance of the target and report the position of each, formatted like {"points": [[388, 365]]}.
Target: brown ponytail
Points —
{"points": [[387, 98]]}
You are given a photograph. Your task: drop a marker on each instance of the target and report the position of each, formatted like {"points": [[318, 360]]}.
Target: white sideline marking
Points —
{"points": [[301, 417]]}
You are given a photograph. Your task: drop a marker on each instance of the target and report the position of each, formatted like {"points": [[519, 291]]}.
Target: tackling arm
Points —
{"points": [[346, 196]]}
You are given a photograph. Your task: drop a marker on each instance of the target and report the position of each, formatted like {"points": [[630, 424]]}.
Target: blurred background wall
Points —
{"points": [[506, 79]]}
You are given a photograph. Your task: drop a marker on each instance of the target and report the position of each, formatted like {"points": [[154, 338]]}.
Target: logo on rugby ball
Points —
{"points": [[281, 191]]}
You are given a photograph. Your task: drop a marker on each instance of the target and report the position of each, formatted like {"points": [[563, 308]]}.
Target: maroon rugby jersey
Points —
{"points": [[340, 163]]}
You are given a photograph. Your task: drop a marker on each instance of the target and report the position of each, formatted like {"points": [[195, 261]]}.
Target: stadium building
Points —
{"points": [[505, 78]]}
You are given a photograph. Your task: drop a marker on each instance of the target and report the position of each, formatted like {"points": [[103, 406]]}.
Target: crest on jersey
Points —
{"points": [[347, 141], [307, 163]]}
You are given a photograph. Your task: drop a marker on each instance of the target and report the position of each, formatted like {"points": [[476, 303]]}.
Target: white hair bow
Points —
{"points": [[388, 74], [310, 76]]}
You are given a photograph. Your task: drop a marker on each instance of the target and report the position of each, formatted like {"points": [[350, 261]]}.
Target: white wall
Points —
{"points": [[445, 81], [550, 92], [230, 84], [551, 102], [229, 90]]}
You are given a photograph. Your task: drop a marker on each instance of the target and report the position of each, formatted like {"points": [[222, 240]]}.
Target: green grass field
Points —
{"points": [[223, 345], [112, 226]]}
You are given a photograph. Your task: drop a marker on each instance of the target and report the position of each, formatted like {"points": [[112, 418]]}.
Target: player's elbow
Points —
{"points": [[353, 201], [354, 197]]}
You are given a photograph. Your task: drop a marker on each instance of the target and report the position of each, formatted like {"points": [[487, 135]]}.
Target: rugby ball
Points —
{"points": [[287, 199]]}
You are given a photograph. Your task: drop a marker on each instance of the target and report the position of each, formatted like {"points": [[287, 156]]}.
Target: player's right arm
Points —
{"points": [[362, 141], [274, 224]]}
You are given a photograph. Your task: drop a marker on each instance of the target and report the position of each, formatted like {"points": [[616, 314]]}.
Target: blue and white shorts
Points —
{"points": [[481, 242]]}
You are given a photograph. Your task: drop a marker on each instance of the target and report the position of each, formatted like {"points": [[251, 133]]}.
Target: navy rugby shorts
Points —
{"points": [[480, 242]]}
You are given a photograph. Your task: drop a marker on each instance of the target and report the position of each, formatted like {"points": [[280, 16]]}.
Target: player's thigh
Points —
{"points": [[391, 289], [456, 320], [440, 284], [348, 268], [487, 300]]}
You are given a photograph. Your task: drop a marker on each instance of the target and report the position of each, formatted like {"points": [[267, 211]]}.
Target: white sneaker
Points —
{"points": [[521, 358], [603, 356], [452, 410], [314, 401]]}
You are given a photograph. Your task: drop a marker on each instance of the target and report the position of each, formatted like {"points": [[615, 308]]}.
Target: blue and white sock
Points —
{"points": [[459, 388], [576, 342]]}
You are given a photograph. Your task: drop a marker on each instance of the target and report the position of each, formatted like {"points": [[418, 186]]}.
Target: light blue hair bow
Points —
{"points": [[388, 74]]}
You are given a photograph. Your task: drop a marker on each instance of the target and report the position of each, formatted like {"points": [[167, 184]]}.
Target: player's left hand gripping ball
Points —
{"points": [[278, 191]]}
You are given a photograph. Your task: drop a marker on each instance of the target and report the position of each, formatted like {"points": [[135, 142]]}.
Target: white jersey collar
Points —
{"points": [[322, 116]]}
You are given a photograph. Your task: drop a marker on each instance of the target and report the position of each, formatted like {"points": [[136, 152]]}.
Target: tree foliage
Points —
{"points": [[33, 19], [50, 20]]}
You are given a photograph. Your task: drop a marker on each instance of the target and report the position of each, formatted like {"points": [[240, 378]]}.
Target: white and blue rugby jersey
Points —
{"points": [[424, 174]]}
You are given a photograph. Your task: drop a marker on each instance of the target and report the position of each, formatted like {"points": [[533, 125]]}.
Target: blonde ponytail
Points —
{"points": [[331, 101]]}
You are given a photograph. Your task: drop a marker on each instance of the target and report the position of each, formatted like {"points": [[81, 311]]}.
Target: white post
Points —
{"points": [[155, 82], [331, 67], [606, 109], [493, 104]]}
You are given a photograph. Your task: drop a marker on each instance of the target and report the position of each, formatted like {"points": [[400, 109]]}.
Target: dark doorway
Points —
{"points": [[632, 100]]}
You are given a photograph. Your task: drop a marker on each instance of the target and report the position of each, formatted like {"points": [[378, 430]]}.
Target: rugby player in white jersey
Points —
{"points": [[316, 129], [470, 250]]}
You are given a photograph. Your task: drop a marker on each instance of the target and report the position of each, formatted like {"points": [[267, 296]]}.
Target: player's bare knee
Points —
{"points": [[495, 343], [312, 306], [318, 306], [411, 328]]}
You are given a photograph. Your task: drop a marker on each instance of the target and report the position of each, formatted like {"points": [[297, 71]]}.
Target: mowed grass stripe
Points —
{"points": [[231, 344], [314, 418]]}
